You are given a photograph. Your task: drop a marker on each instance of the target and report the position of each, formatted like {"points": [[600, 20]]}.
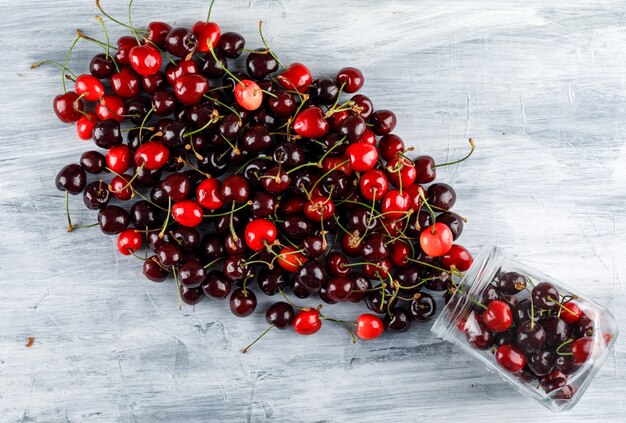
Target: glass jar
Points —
{"points": [[538, 334]]}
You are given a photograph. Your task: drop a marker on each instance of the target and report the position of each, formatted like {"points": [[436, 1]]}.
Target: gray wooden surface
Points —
{"points": [[541, 88]]}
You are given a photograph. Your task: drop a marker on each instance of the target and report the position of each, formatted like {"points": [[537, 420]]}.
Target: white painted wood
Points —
{"points": [[541, 88]]}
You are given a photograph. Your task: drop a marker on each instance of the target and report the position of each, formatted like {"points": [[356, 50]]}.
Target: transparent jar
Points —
{"points": [[505, 314]]}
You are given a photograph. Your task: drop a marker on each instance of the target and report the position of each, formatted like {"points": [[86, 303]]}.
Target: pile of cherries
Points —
{"points": [[263, 180], [536, 332]]}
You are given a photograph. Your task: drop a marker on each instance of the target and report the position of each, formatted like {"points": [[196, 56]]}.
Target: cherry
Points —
{"points": [[379, 271], [530, 337], [458, 257], [310, 123], [476, 333], [280, 314], [325, 91], [511, 358], [118, 158], [85, 125], [553, 381], [337, 264], [89, 87], [541, 362], [363, 157], [423, 307], [307, 322], [176, 186], [425, 168], [152, 155], [181, 68], [261, 63], [190, 89], [436, 240], [259, 234], [112, 220], [339, 288], [290, 259], [110, 107], [191, 296], [353, 128], [126, 83], [565, 364], [544, 296], [129, 241], [311, 276], [68, 107], [570, 312], [181, 42], [319, 209], [369, 326], [400, 171], [207, 34], [297, 77], [557, 331], [144, 215], [93, 162], [72, 179], [124, 46], [101, 66], [389, 146], [153, 271], [146, 60], [216, 285], [96, 195], [231, 44], [192, 274], [121, 187], [383, 122], [248, 94], [399, 321], [242, 302], [498, 316], [157, 32], [208, 194], [416, 192], [441, 195], [188, 213], [374, 247], [584, 326], [276, 180], [373, 184], [351, 79], [395, 204], [399, 253], [452, 221], [511, 283], [582, 348], [235, 188]]}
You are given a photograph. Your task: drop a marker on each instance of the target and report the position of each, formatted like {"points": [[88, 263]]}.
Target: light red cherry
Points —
{"points": [[129, 241], [110, 107], [208, 35], [369, 326], [457, 256], [119, 158], [319, 208], [121, 188], [570, 313], [89, 87], [363, 157], [368, 137], [260, 233], [399, 253], [400, 171], [307, 322], [291, 259], [339, 163], [209, 194], [498, 316], [188, 213], [511, 358], [157, 32], [85, 125], [395, 204], [248, 94], [310, 123], [152, 155], [297, 77], [374, 184], [583, 348], [146, 60], [126, 83], [436, 240], [389, 146], [181, 68]]}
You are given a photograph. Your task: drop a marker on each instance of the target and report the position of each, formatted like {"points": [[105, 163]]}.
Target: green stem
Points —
{"points": [[245, 350], [473, 147], [267, 47], [67, 58]]}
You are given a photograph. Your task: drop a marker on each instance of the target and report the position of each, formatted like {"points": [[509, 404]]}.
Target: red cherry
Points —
{"points": [[259, 234], [110, 107], [399, 253], [126, 83], [181, 68], [145, 59], [374, 184], [152, 155], [296, 77], [395, 204], [118, 158], [85, 125], [66, 107], [378, 272], [436, 240], [89, 87], [120, 188], [290, 259], [369, 326], [363, 157], [189, 89], [498, 317], [511, 358], [209, 194], [319, 208], [208, 35], [352, 78], [310, 123], [157, 32], [426, 170], [400, 169], [351, 245], [414, 194], [382, 122], [124, 46], [307, 322], [393, 226], [340, 163], [570, 313], [458, 257], [129, 241], [585, 347], [368, 137], [248, 94], [336, 119], [389, 146], [188, 213]]}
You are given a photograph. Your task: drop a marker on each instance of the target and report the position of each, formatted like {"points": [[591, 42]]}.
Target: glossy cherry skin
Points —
{"points": [[351, 78], [85, 125], [511, 283], [363, 157], [476, 333], [216, 285], [544, 296], [307, 322], [297, 77], [67, 107], [260, 233], [208, 194], [570, 313], [530, 337], [423, 307], [498, 316], [242, 303], [181, 68], [235, 188], [553, 381], [121, 187], [395, 204], [89, 87], [110, 107], [119, 158], [369, 326], [153, 271], [260, 63], [339, 288], [146, 60], [231, 44], [457, 256], [126, 83], [280, 315], [129, 241], [436, 240], [425, 168], [399, 321], [511, 358], [71, 178], [207, 34], [389, 146], [101, 66], [310, 123], [96, 195], [93, 162], [190, 89], [176, 186], [373, 184], [290, 260], [188, 213], [583, 348], [125, 45], [441, 195], [248, 94], [383, 122], [113, 220], [319, 209], [181, 42], [157, 32], [152, 155], [400, 171]]}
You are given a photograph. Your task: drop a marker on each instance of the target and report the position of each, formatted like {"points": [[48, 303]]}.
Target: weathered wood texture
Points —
{"points": [[541, 88]]}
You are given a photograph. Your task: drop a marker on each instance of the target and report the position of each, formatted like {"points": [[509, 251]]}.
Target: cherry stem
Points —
{"points": [[463, 218], [473, 147], [532, 313], [180, 299], [267, 47], [346, 325], [558, 349], [478, 303], [219, 62], [214, 118], [106, 35], [245, 350], [128, 183], [67, 58], [52, 62], [423, 263], [232, 226], [167, 218], [112, 18], [211, 263], [561, 307], [208, 18], [326, 174], [432, 213], [70, 228], [223, 105], [143, 122], [248, 203], [331, 110], [288, 300]]}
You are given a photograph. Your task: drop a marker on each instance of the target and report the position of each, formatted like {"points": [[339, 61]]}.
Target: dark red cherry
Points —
{"points": [[71, 178], [242, 303], [68, 107], [181, 42], [382, 122], [351, 79]]}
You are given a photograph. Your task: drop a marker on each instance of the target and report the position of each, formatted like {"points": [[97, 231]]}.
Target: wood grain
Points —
{"points": [[541, 88]]}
